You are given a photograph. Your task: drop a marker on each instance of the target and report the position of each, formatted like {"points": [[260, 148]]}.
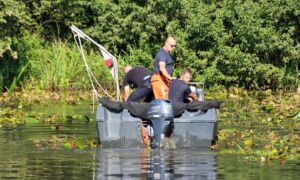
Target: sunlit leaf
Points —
{"points": [[295, 115], [267, 108], [248, 143]]}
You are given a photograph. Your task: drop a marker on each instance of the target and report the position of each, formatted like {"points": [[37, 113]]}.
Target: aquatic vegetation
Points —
{"points": [[31, 96], [263, 123], [49, 109], [11, 118], [69, 142]]}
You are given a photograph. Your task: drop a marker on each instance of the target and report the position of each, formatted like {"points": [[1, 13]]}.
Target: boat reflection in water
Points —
{"points": [[155, 164]]}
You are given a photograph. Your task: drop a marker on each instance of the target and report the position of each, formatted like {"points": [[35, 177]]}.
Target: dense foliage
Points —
{"points": [[247, 43]]}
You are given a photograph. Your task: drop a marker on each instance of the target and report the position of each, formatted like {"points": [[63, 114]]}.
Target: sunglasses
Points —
{"points": [[172, 46]]}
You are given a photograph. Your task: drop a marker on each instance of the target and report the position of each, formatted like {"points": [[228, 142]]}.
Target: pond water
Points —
{"points": [[21, 157]]}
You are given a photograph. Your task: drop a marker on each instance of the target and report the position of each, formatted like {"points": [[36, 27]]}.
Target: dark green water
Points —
{"points": [[20, 158]]}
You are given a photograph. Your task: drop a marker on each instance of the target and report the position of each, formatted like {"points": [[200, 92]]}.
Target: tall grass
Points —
{"points": [[292, 75], [12, 71], [58, 66], [1, 82], [17, 79], [53, 66]]}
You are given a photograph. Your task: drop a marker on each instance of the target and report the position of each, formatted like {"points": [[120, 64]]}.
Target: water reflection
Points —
{"points": [[155, 164], [21, 159]]}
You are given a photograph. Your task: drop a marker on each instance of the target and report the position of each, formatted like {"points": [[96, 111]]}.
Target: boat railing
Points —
{"points": [[198, 88]]}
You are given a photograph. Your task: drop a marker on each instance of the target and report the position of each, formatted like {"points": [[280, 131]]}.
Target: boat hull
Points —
{"points": [[121, 130]]}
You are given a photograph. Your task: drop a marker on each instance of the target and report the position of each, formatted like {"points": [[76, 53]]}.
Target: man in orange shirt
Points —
{"points": [[163, 70]]}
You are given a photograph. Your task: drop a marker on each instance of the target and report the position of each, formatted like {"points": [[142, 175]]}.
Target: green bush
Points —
{"points": [[251, 44]]}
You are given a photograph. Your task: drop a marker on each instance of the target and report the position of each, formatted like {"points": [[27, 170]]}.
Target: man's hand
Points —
{"points": [[189, 99], [193, 96], [163, 70], [126, 92]]}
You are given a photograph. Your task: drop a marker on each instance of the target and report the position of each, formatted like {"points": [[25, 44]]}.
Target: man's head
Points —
{"points": [[127, 69], [186, 75], [170, 44]]}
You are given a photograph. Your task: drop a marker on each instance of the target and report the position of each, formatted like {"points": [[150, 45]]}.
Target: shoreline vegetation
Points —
{"points": [[249, 44], [262, 125]]}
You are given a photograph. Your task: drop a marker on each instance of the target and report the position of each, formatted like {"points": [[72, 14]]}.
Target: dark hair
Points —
{"points": [[186, 70]]}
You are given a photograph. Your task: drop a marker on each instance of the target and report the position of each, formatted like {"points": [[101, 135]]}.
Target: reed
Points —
{"points": [[17, 79], [58, 66]]}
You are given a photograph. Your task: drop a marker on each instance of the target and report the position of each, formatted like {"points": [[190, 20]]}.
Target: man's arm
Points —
{"points": [[193, 96], [163, 70], [126, 92]]}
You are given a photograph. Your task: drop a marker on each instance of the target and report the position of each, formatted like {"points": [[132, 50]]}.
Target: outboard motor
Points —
{"points": [[160, 113]]}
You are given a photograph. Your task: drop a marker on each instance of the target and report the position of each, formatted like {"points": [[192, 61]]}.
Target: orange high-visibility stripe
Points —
{"points": [[145, 136]]}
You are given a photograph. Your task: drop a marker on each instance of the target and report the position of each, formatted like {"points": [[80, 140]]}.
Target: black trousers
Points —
{"points": [[141, 93]]}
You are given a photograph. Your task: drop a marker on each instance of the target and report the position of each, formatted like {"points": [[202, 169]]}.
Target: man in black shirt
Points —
{"points": [[180, 91], [138, 77]]}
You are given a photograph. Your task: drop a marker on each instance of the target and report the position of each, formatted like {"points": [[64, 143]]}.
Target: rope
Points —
{"points": [[91, 76], [93, 97]]}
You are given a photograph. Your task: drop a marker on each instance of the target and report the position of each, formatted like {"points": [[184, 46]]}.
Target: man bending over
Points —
{"points": [[138, 77], [179, 90]]}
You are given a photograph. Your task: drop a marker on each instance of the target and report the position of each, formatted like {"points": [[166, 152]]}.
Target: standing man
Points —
{"points": [[139, 77], [163, 70], [180, 91]]}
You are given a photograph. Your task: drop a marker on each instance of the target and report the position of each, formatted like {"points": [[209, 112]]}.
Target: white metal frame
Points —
{"points": [[79, 34]]}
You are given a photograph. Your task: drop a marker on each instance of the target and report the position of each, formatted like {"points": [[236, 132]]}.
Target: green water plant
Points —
{"points": [[269, 134], [69, 142]]}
